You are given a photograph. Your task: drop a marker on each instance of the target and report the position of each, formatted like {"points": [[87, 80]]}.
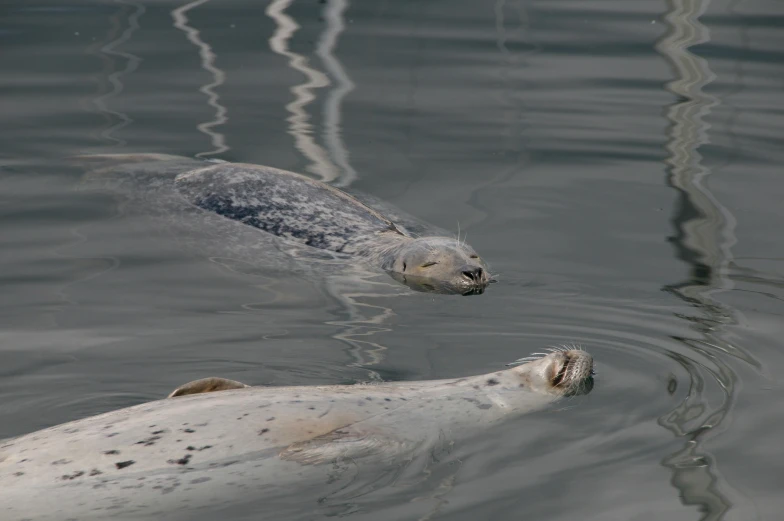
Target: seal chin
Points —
{"points": [[571, 372]]}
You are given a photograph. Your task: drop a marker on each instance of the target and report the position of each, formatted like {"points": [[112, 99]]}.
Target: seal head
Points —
{"points": [[563, 372], [438, 264]]}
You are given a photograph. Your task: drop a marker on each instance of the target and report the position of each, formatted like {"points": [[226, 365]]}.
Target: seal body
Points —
{"points": [[166, 459], [300, 209]]}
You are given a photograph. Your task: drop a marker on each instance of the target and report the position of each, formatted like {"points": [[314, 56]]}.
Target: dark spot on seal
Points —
{"points": [[149, 441], [170, 489], [368, 398], [158, 432], [110, 452], [17, 474], [182, 461], [264, 430], [200, 480], [387, 399], [95, 472], [311, 408], [123, 464], [77, 474], [484, 406], [191, 447], [492, 381], [188, 430], [61, 462], [270, 418], [112, 434]]}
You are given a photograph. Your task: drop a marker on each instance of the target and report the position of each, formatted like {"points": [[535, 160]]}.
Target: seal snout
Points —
{"points": [[574, 373], [474, 274]]}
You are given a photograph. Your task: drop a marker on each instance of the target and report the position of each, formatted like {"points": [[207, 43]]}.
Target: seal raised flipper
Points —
{"points": [[207, 385], [347, 442]]}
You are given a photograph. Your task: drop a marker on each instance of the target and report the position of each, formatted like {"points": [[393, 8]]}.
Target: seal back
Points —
{"points": [[283, 203]]}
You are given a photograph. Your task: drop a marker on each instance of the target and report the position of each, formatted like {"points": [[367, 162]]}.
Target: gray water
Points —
{"points": [[617, 163]]}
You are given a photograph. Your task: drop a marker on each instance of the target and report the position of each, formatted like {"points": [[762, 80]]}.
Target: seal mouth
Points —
{"points": [[473, 286], [428, 285], [574, 375]]}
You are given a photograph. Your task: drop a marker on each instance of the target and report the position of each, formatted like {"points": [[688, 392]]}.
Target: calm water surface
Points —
{"points": [[617, 163]]}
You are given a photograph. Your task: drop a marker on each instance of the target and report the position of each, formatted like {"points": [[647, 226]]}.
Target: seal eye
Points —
{"points": [[474, 256], [428, 264]]}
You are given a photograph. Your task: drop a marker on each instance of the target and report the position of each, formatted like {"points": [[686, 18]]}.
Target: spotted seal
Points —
{"points": [[168, 458], [298, 208]]}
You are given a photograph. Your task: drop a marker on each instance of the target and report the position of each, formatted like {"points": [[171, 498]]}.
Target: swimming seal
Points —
{"points": [[310, 212], [167, 459]]}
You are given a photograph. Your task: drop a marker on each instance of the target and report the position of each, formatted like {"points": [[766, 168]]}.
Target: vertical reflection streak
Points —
{"points": [[513, 64], [115, 78], [333, 15], [207, 57], [299, 126], [703, 239]]}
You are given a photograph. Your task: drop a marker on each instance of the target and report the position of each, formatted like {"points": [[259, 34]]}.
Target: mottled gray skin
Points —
{"points": [[299, 208], [171, 458]]}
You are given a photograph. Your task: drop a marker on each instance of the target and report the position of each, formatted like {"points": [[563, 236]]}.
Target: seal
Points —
{"points": [[219, 449], [298, 208]]}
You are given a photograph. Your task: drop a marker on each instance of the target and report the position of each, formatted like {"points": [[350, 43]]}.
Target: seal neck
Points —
{"points": [[383, 252]]}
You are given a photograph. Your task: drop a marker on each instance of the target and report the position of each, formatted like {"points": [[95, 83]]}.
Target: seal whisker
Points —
{"points": [[530, 358]]}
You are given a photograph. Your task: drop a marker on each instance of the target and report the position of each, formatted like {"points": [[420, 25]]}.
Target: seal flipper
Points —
{"points": [[346, 442], [207, 385]]}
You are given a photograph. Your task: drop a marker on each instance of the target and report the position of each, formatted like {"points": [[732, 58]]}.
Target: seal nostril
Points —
{"points": [[474, 274]]}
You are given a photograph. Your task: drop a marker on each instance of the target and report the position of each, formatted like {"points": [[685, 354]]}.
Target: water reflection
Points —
{"points": [[110, 79], [333, 16], [299, 120], [207, 56], [703, 239]]}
